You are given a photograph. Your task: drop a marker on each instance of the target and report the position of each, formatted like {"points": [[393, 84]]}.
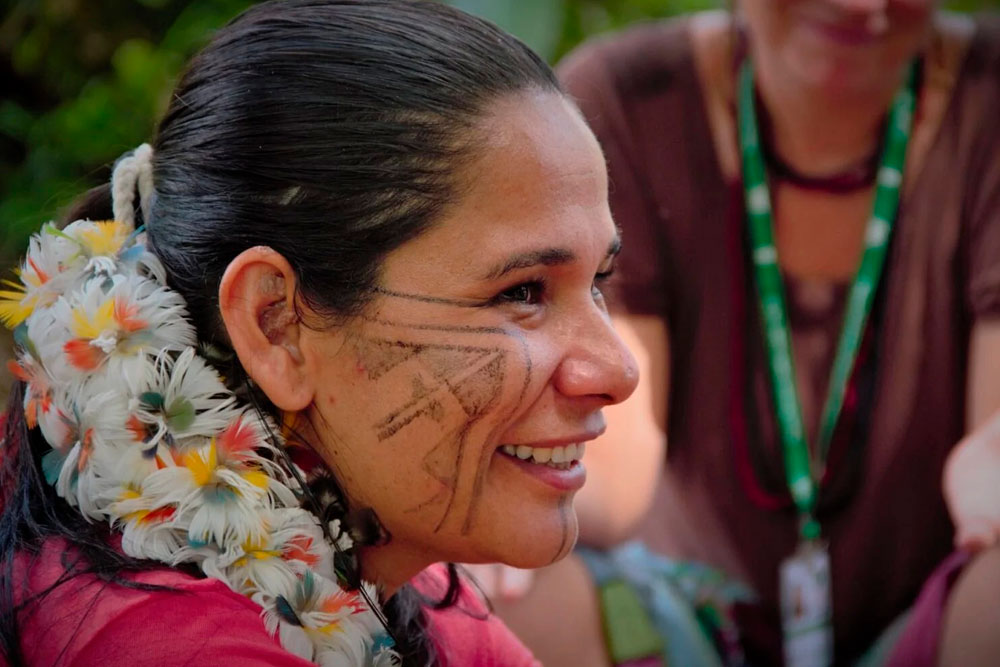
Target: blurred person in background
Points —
{"points": [[810, 194]]}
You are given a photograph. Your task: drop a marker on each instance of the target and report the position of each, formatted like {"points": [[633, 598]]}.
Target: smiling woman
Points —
{"points": [[486, 332], [341, 321]]}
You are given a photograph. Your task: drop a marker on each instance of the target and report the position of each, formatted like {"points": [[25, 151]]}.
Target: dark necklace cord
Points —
{"points": [[857, 176]]}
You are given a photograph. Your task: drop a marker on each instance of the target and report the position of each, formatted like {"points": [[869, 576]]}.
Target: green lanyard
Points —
{"points": [[802, 483]]}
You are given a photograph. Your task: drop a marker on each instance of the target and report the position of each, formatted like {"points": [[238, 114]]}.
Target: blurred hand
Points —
{"points": [[972, 487], [502, 582]]}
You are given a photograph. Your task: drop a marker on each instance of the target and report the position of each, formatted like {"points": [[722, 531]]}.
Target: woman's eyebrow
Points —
{"points": [[525, 260], [542, 257]]}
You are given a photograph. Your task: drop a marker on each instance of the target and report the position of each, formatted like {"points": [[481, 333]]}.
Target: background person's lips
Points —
{"points": [[848, 32]]}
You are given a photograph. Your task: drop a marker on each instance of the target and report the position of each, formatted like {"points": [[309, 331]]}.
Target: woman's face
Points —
{"points": [[487, 354], [838, 46]]}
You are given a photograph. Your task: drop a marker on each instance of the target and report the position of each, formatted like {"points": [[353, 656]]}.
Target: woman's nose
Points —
{"points": [[597, 363]]}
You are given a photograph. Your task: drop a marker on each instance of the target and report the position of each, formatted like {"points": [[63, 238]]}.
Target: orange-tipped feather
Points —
{"points": [[298, 548], [18, 371], [341, 600], [137, 428], [126, 316], [83, 355], [31, 413], [86, 447], [159, 515], [42, 276]]}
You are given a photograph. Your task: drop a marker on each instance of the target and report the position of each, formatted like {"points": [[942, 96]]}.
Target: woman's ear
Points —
{"points": [[257, 301]]}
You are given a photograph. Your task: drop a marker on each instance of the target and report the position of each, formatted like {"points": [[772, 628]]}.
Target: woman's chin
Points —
{"points": [[547, 540]]}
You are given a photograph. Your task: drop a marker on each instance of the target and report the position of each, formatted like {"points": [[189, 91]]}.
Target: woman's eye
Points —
{"points": [[529, 293], [599, 282]]}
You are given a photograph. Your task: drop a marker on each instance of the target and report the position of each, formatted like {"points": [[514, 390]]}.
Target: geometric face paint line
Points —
{"points": [[464, 394], [470, 375], [443, 301], [447, 381], [442, 328], [564, 513]]}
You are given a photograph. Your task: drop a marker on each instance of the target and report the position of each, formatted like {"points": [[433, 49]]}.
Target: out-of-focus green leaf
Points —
{"points": [[15, 120], [28, 51], [197, 21], [86, 82], [538, 22]]}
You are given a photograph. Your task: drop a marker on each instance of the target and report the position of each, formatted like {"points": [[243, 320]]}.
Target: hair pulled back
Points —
{"points": [[333, 131]]}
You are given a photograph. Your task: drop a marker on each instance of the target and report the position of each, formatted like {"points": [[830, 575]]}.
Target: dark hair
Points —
{"points": [[333, 131], [329, 131]]}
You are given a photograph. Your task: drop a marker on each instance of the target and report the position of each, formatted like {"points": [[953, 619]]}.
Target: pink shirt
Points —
{"points": [[202, 622]]}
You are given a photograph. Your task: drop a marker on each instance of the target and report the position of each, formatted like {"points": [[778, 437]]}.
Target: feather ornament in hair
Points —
{"points": [[146, 436]]}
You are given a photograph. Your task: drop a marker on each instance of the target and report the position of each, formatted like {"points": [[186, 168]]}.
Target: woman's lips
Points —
{"points": [[558, 467]]}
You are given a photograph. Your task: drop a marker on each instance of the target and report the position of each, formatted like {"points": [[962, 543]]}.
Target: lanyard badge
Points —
{"points": [[805, 576], [806, 606]]}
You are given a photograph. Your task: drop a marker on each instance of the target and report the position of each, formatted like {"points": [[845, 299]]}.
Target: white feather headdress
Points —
{"points": [[145, 435]]}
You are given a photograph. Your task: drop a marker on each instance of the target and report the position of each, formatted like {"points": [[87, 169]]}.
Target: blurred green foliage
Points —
{"points": [[82, 81]]}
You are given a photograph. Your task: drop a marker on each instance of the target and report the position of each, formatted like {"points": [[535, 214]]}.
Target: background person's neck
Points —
{"points": [[816, 131]]}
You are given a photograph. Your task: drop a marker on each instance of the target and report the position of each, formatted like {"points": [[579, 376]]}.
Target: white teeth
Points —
{"points": [[560, 457]]}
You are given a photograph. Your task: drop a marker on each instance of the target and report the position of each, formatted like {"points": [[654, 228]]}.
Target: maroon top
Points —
{"points": [[723, 499]]}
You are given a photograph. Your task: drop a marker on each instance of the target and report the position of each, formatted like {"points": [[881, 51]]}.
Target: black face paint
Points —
{"points": [[443, 301], [447, 380], [565, 508], [473, 376]]}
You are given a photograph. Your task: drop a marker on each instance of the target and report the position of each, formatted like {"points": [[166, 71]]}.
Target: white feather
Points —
{"points": [[239, 529]]}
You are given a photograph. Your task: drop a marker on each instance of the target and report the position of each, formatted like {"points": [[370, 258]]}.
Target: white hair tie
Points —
{"points": [[131, 172]]}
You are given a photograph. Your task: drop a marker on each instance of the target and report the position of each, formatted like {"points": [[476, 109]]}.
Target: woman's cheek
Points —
{"points": [[443, 398]]}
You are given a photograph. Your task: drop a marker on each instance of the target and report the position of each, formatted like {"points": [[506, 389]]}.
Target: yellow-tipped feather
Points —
{"points": [[257, 478], [106, 239], [255, 549], [15, 307], [329, 629], [87, 327], [202, 467], [132, 494]]}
